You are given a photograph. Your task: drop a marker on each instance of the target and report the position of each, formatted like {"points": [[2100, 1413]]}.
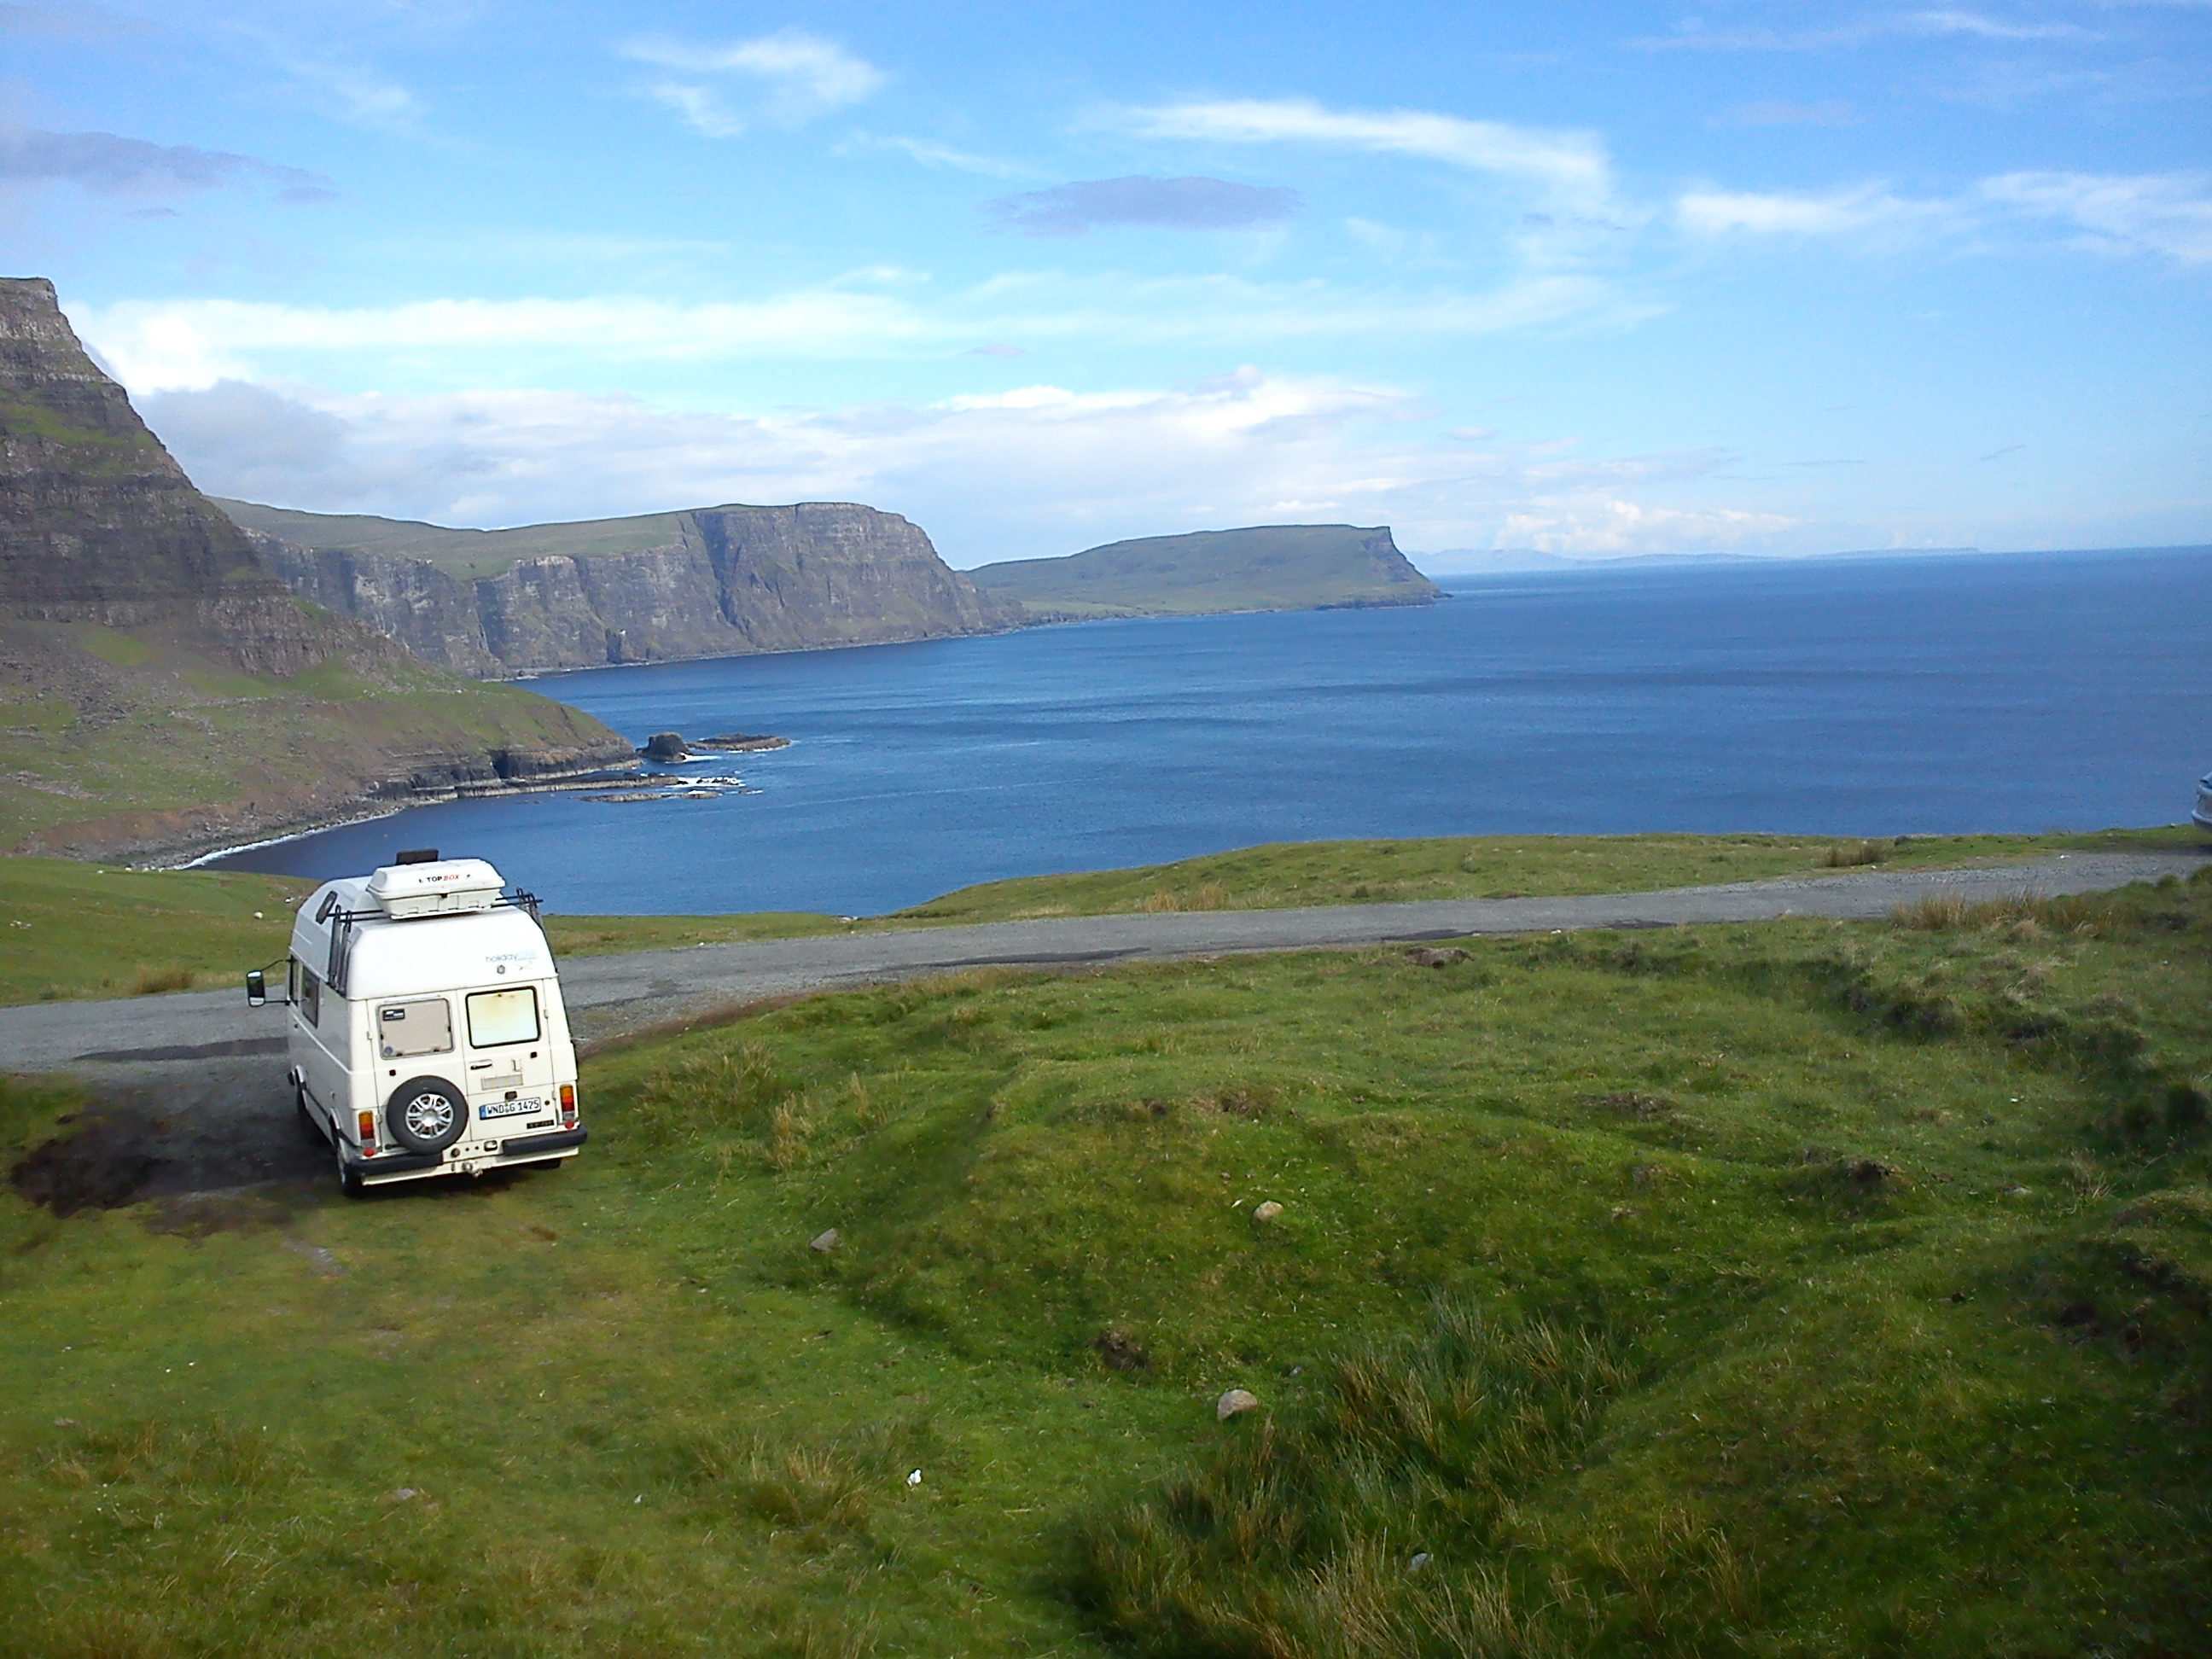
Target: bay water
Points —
{"points": [[1869, 696]]}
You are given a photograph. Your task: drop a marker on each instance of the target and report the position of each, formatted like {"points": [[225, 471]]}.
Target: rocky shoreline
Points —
{"points": [[206, 840], [623, 782]]}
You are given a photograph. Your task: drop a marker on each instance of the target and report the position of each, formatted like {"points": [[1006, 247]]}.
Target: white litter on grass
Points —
{"points": [[914, 1477]]}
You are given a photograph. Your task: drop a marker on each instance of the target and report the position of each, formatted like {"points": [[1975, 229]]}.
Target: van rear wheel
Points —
{"points": [[424, 1115], [350, 1181]]}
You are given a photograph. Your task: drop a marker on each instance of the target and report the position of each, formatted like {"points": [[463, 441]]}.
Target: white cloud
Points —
{"points": [[1601, 523], [162, 344], [365, 98], [1984, 27], [1836, 212], [1038, 469], [2161, 213], [700, 109], [1935, 24], [796, 75], [159, 345], [2166, 215], [931, 154], [1573, 166]]}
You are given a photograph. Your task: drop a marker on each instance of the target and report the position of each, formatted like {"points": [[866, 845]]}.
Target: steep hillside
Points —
{"points": [[712, 581], [1292, 567], [160, 690]]}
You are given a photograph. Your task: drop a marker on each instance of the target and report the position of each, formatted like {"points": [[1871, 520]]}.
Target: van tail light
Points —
{"points": [[367, 1121], [568, 1105]]}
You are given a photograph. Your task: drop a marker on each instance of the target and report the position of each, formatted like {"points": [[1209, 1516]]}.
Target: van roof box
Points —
{"points": [[447, 887]]}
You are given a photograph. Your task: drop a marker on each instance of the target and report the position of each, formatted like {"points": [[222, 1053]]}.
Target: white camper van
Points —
{"points": [[426, 1033]]}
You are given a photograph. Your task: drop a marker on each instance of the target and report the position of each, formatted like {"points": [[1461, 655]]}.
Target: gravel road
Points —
{"points": [[149, 1038]]}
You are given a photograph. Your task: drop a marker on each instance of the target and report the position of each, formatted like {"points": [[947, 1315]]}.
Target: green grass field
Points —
{"points": [[1801, 1289], [1286, 874], [80, 930], [464, 554]]}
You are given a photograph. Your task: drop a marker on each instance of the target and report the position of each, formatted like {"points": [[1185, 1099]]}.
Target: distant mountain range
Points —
{"points": [[1293, 567]]}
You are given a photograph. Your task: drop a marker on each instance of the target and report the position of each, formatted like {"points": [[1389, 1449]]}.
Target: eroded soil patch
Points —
{"points": [[99, 1164], [209, 1128]]}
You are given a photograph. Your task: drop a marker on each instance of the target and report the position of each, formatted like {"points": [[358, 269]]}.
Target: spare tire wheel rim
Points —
{"points": [[428, 1117], [426, 1114]]}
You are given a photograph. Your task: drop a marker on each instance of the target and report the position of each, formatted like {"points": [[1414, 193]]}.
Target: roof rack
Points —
{"points": [[343, 924]]}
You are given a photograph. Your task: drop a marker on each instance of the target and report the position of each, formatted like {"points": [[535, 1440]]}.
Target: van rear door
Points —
{"points": [[509, 1055]]}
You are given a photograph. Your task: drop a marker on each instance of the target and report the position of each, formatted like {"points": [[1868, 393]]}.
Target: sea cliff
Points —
{"points": [[713, 581], [161, 689]]}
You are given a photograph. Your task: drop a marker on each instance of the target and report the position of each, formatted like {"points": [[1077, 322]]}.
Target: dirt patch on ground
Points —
{"points": [[1120, 1352], [99, 1164], [214, 1127]]}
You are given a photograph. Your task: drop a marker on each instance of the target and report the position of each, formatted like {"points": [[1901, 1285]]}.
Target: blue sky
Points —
{"points": [[1594, 279]]}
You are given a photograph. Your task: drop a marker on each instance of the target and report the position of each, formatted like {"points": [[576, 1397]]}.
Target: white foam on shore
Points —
{"points": [[278, 841]]}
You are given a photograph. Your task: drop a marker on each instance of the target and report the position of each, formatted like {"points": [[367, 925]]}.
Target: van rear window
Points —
{"points": [[497, 1018], [406, 1029]]}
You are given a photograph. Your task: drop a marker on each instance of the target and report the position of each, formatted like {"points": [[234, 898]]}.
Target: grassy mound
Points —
{"points": [[1811, 1288]]}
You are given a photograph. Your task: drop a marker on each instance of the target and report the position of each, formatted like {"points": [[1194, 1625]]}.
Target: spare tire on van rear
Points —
{"points": [[424, 1115]]}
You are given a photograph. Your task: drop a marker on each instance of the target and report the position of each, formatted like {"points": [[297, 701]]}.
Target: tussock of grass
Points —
{"points": [[1384, 1518], [1206, 895], [1848, 854]]}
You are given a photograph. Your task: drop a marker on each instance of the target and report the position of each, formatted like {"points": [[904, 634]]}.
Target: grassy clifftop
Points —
{"points": [[1269, 568], [463, 553], [1804, 1289], [136, 741]]}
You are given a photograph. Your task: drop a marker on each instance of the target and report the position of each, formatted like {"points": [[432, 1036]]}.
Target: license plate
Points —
{"points": [[521, 1108]]}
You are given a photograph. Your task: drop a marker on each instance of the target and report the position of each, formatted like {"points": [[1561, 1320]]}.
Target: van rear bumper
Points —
{"points": [[560, 1140], [523, 1149]]}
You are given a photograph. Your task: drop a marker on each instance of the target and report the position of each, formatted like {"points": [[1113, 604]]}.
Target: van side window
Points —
{"points": [[499, 1018], [311, 997]]}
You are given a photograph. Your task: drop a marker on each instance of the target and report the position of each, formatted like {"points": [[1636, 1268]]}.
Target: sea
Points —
{"points": [[1849, 696]]}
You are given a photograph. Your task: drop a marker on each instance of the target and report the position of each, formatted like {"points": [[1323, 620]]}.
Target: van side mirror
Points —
{"points": [[257, 988]]}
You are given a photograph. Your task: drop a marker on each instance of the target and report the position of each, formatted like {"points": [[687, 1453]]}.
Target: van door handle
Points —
{"points": [[479, 1065]]}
